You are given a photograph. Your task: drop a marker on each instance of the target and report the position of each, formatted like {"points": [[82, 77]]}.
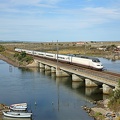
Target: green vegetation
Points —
{"points": [[23, 57], [111, 47], [114, 103], [91, 48], [2, 48], [99, 116]]}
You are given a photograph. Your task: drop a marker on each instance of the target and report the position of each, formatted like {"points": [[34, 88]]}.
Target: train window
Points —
{"points": [[40, 54], [61, 57], [84, 57], [95, 60], [70, 55], [49, 55]]}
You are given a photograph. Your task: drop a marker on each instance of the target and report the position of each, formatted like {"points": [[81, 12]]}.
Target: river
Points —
{"points": [[111, 65], [48, 97]]}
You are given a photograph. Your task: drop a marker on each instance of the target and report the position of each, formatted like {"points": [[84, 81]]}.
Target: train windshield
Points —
{"points": [[95, 60]]}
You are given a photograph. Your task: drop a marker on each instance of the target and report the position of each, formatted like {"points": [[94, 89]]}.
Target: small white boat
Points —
{"points": [[20, 106], [17, 114]]}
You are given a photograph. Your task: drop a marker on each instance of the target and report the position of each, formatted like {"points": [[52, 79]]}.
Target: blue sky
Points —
{"points": [[62, 20]]}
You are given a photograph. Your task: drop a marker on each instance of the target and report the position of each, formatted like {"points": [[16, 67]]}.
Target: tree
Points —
{"points": [[23, 54]]}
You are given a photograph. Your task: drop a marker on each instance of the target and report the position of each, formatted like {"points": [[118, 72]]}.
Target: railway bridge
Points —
{"points": [[91, 78]]}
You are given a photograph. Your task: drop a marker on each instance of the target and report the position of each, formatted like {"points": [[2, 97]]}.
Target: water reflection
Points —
{"points": [[48, 73], [92, 90], [53, 76], [80, 89], [10, 68], [63, 80], [76, 85], [42, 71]]}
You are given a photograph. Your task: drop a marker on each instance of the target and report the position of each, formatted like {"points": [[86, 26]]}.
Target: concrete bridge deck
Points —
{"points": [[91, 79]]}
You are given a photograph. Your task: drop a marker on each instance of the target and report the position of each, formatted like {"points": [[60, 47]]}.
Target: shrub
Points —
{"points": [[22, 57], [2, 48], [114, 102]]}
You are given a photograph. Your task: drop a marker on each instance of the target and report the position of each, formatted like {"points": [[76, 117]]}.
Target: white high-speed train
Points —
{"points": [[90, 62]]}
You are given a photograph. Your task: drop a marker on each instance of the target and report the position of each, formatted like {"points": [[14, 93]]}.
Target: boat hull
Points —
{"points": [[17, 114], [11, 118], [17, 107]]}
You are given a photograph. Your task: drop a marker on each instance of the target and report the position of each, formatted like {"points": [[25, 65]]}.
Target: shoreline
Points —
{"points": [[8, 61], [3, 107], [11, 62], [101, 111]]}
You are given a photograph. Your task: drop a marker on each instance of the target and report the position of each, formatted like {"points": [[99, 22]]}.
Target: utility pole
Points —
{"points": [[57, 53], [85, 48], [52, 46]]}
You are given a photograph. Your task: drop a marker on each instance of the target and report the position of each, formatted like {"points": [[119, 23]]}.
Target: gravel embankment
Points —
{"points": [[8, 61]]}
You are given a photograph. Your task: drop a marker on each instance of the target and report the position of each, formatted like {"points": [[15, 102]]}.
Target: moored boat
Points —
{"points": [[17, 114], [20, 106]]}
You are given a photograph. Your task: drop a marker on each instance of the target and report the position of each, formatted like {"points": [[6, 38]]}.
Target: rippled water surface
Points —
{"points": [[111, 65]]}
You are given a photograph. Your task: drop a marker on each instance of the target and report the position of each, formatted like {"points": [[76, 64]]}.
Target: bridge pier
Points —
{"points": [[61, 73], [76, 78], [53, 69], [90, 83], [106, 89], [42, 65], [47, 67]]}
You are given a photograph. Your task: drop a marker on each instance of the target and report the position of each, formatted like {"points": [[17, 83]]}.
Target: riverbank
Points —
{"points": [[3, 107], [16, 63], [8, 61], [101, 111]]}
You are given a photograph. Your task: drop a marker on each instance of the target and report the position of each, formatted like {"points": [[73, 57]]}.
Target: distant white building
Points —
{"points": [[101, 48], [80, 43], [118, 46]]}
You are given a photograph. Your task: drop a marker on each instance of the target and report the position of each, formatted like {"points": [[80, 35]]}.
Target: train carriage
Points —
{"points": [[64, 58], [79, 60], [37, 53], [50, 55], [82, 61], [87, 62]]}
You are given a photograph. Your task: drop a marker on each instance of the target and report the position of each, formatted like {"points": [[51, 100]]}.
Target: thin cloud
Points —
{"points": [[54, 15]]}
